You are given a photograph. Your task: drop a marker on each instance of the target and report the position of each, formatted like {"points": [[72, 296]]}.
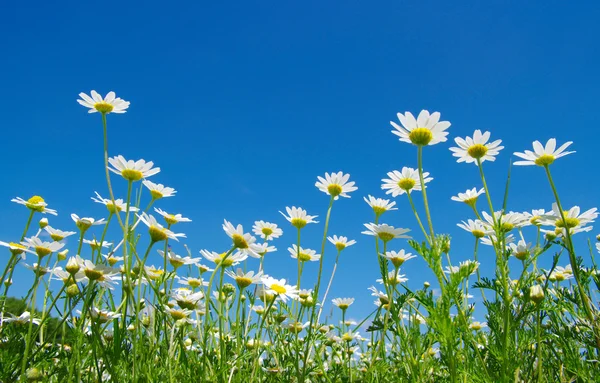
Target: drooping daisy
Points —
{"points": [[471, 150], [343, 303], [492, 240], [405, 181], [341, 242], [298, 217], [244, 242], [427, 129], [394, 278], [543, 155], [335, 185], [118, 206], [158, 191], [469, 197], [574, 221], [243, 279], [95, 245], [520, 250], [132, 170], [380, 295], [22, 319], [103, 316], [280, 288], [385, 232], [35, 203], [303, 255], [266, 230], [187, 299], [58, 235], [262, 249], [157, 231], [223, 259], [172, 219], [474, 227], [38, 269], [106, 105], [66, 277], [85, 223], [42, 248], [398, 257], [177, 260], [380, 205]]}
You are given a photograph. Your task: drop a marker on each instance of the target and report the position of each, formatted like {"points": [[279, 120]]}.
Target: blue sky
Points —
{"points": [[243, 105]]}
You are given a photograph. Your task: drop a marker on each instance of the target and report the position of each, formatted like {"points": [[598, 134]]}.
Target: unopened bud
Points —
{"points": [[536, 293], [62, 255], [72, 266], [43, 223]]}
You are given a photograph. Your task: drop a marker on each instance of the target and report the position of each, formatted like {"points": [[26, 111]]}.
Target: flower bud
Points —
{"points": [[72, 290], [34, 375], [426, 284], [43, 223], [62, 255], [72, 266], [536, 293]]}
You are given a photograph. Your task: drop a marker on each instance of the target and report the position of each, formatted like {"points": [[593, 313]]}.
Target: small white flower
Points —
{"points": [[280, 288], [118, 206], [22, 319], [243, 279], [303, 255], [266, 230], [42, 248], [343, 303], [106, 105], [156, 230], [398, 257], [298, 217], [543, 156], [471, 150], [380, 205], [35, 203], [427, 129], [85, 223], [244, 242], [262, 249], [224, 259], [132, 170], [171, 219], [405, 181], [385, 232], [575, 221], [394, 277], [341, 242], [336, 184], [158, 191], [469, 197], [58, 235], [177, 260], [474, 227]]}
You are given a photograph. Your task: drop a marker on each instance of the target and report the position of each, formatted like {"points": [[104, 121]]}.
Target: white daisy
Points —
{"points": [[475, 149], [506, 221], [158, 191], [179, 314], [224, 259], [243, 279], [394, 277], [474, 227], [385, 232], [343, 303], [85, 223], [103, 316], [58, 235], [156, 230], [191, 281], [380, 205], [341, 242], [469, 197], [266, 230], [118, 206], [177, 260], [35, 203], [492, 240], [95, 245], [42, 248], [405, 181], [303, 255], [575, 220], [22, 319], [280, 288], [171, 219], [262, 249], [16, 248], [336, 184], [536, 215], [103, 275], [427, 129], [298, 217], [520, 250], [187, 299], [106, 105], [398, 257], [244, 242], [543, 156], [132, 170]]}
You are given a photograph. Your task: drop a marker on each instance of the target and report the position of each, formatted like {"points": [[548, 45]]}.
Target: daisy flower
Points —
{"points": [[66, 277], [303, 255], [177, 260], [103, 316], [106, 105], [474, 227], [476, 149], [507, 221], [242, 241], [179, 314], [520, 250], [343, 303], [16, 248], [477, 325], [427, 129], [156, 230], [262, 249], [280, 288], [42, 248], [298, 217], [380, 205], [224, 259], [398, 257], [38, 269], [543, 156], [574, 220], [118, 206], [335, 185], [58, 235], [266, 230], [158, 191], [536, 215], [85, 223], [35, 203], [132, 170], [380, 295], [243, 279], [171, 219], [492, 240], [103, 275], [560, 274], [112, 259], [341, 242], [469, 197], [191, 281], [95, 245], [394, 278], [405, 181], [187, 299], [385, 232], [22, 319]]}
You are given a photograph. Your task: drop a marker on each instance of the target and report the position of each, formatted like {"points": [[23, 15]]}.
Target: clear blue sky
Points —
{"points": [[243, 104]]}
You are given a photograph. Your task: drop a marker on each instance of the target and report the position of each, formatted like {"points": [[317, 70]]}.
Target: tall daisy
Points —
{"points": [[266, 230], [543, 155], [298, 217], [405, 181], [341, 242], [336, 184], [132, 170], [280, 288], [303, 255], [172, 219], [427, 129], [380, 205], [117, 206], [158, 191], [476, 149], [398, 257], [106, 105], [157, 231], [42, 248], [35, 203], [243, 279], [469, 197], [385, 232]]}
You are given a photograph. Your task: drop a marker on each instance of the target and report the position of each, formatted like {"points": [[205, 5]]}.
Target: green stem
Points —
{"points": [[424, 190]]}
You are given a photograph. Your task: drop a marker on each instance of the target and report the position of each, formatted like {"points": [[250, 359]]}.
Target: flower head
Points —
{"points": [[336, 184], [156, 230], [303, 255], [380, 205], [398, 257], [243, 279], [117, 206], [385, 232], [172, 219], [35, 203], [132, 170], [341, 242], [474, 227], [85, 223], [158, 191], [427, 129], [224, 259], [42, 248], [266, 230], [58, 235], [574, 220], [177, 260], [343, 303], [298, 217], [405, 181], [520, 250], [543, 155], [477, 148], [106, 105], [469, 197], [244, 242], [280, 288]]}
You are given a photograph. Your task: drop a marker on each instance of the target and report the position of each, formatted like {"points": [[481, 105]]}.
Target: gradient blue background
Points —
{"points": [[243, 104]]}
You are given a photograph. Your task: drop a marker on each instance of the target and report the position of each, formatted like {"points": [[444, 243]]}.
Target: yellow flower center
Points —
{"points": [[92, 274], [476, 326], [420, 136], [379, 210], [343, 306], [171, 220], [156, 194], [278, 288], [470, 201], [397, 262], [267, 231], [568, 222], [35, 203], [226, 262], [194, 282], [506, 226], [239, 241], [56, 237], [42, 251], [243, 282], [112, 261], [299, 223], [16, 248], [177, 314], [385, 236], [132, 174], [544, 160], [334, 190], [304, 257], [347, 337], [478, 233], [103, 107], [477, 151], [406, 184], [535, 220], [112, 208], [83, 224], [157, 234], [521, 255], [176, 262], [340, 246]]}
